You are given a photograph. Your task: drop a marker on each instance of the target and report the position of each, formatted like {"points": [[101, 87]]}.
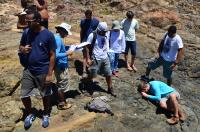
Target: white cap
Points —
{"points": [[65, 26], [102, 26]]}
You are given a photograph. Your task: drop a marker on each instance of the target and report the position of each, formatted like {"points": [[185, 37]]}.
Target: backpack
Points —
{"points": [[161, 45], [23, 58]]}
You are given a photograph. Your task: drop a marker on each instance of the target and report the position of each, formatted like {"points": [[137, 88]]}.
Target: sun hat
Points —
{"points": [[65, 26], [116, 25]]}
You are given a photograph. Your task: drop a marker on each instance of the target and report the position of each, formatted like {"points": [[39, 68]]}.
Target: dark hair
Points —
{"points": [[37, 16], [60, 29], [130, 14], [172, 29], [88, 12]]}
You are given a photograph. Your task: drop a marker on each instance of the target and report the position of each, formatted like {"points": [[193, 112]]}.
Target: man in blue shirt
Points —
{"points": [[61, 68], [87, 25], [38, 43], [166, 96]]}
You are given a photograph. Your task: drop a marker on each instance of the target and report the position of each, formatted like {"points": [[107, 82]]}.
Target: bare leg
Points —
{"points": [[133, 63], [46, 104], [109, 82], [27, 104], [127, 64], [61, 96]]}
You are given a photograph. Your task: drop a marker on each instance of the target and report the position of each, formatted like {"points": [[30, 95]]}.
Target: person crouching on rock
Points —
{"points": [[61, 65], [166, 96]]}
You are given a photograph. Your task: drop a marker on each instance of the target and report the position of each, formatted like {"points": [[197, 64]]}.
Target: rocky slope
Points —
{"points": [[132, 113]]}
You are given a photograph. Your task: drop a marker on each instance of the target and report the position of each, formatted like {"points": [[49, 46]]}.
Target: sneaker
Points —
{"points": [[45, 121], [28, 121], [110, 91]]}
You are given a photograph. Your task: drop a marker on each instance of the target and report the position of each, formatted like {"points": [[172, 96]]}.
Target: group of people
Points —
{"points": [[46, 54]]}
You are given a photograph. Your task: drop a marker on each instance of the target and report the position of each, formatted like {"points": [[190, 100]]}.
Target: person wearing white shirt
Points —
{"points": [[170, 53], [130, 25], [98, 61], [116, 45]]}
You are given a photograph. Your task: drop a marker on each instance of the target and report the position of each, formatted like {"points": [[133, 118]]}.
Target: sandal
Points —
{"points": [[172, 121], [64, 106], [129, 68]]}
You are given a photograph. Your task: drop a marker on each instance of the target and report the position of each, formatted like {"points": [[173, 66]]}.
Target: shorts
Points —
{"points": [[30, 82], [62, 79], [167, 97], [167, 71], [130, 45], [100, 66]]}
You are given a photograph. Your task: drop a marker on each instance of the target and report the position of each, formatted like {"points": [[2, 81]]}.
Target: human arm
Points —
{"points": [[24, 47], [123, 42], [40, 7], [155, 90], [178, 58], [137, 25], [51, 67], [180, 52], [52, 58]]}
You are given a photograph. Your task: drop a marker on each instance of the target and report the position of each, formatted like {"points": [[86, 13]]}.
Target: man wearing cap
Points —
{"points": [[87, 25], [170, 52], [61, 66], [129, 26], [116, 45], [166, 97], [99, 61], [38, 43]]}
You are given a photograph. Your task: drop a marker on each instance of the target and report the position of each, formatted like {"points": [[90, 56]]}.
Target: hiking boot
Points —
{"points": [[173, 120], [29, 120], [64, 106], [45, 121], [110, 91]]}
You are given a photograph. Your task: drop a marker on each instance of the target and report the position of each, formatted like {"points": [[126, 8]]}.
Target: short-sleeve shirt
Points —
{"points": [[129, 28], [170, 48], [87, 27], [101, 46], [42, 43]]}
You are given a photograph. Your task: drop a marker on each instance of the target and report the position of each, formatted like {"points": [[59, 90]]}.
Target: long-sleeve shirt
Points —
{"points": [[117, 41], [61, 58], [159, 90]]}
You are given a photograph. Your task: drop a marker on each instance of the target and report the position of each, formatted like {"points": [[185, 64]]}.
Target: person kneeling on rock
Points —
{"points": [[166, 96]]}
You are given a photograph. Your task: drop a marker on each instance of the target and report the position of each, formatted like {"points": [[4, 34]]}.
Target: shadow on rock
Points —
{"points": [[90, 87], [121, 63], [78, 66]]}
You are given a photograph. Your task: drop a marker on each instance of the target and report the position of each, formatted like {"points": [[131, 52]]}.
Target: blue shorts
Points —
{"points": [[167, 71], [130, 45]]}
